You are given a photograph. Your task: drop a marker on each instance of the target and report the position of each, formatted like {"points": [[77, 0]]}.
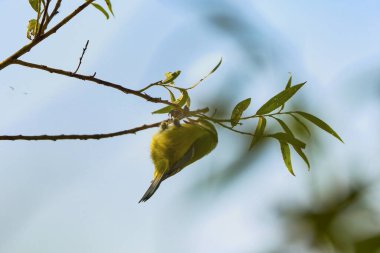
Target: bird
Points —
{"points": [[176, 146]]}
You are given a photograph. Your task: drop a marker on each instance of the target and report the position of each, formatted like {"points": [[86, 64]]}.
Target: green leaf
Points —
{"points": [[258, 132], [289, 84], [287, 87], [302, 155], [170, 77], [238, 111], [217, 66], [321, 124], [284, 126], [109, 5], [296, 148], [278, 100], [181, 101], [285, 151], [212, 71], [285, 137], [34, 4], [171, 94], [101, 9], [302, 124], [32, 29]]}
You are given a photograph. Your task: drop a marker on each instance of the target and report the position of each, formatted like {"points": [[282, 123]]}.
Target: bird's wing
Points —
{"points": [[180, 164]]}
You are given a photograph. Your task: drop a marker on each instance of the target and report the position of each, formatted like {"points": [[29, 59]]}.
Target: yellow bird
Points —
{"points": [[177, 146]]}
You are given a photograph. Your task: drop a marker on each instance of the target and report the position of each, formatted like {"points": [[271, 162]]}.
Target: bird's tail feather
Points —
{"points": [[152, 188]]}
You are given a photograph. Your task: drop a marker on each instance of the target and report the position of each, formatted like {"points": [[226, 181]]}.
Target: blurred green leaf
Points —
{"points": [[181, 101], [258, 132], [285, 137], [101, 9], [238, 111], [171, 76], [301, 123], [318, 122], [109, 5], [285, 151], [296, 148], [278, 100]]}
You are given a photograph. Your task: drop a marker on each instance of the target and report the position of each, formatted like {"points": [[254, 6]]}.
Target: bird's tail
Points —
{"points": [[152, 188]]}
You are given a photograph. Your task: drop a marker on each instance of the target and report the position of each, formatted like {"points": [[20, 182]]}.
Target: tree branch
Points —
{"points": [[76, 136], [95, 80], [37, 40]]}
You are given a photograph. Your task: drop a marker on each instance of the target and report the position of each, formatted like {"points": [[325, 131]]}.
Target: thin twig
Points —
{"points": [[94, 80], [76, 136], [36, 41], [54, 12], [80, 59], [45, 17]]}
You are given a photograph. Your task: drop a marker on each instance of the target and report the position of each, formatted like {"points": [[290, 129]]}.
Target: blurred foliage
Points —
{"points": [[342, 221]]}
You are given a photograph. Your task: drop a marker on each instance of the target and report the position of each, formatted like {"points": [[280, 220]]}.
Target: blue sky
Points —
{"points": [[81, 196]]}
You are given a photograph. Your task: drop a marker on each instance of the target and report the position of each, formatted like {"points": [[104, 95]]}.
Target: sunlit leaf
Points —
{"points": [[321, 124], [101, 9], [212, 71], [171, 76], [109, 5], [238, 111], [302, 124], [34, 4], [171, 94], [285, 137], [181, 101], [32, 29], [285, 151], [258, 132], [278, 100]]}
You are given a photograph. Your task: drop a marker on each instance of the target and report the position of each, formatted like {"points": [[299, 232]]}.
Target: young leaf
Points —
{"points": [[321, 124], [34, 4], [238, 111], [287, 87], [278, 100], [285, 151], [181, 101], [296, 148], [109, 5], [258, 132], [32, 29], [289, 84], [170, 77], [284, 137], [101, 9], [217, 66], [212, 71], [301, 123]]}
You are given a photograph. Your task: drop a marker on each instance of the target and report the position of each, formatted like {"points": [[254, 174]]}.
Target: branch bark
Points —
{"points": [[77, 136], [94, 80]]}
